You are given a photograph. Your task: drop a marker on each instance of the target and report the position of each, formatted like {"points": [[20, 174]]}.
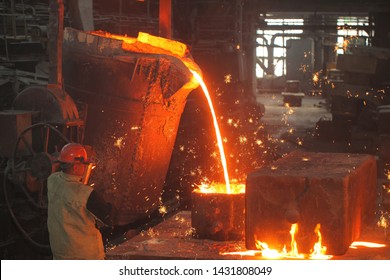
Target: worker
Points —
{"points": [[75, 208]]}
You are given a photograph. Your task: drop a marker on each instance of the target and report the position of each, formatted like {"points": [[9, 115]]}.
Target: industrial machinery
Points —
{"points": [[123, 97], [40, 121]]}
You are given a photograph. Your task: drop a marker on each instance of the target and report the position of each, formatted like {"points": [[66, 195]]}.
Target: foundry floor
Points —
{"points": [[294, 128], [172, 239]]}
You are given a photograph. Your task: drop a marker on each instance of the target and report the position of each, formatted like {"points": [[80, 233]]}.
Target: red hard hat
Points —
{"points": [[73, 152]]}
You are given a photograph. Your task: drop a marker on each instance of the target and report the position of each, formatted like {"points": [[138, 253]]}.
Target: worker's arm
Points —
{"points": [[102, 210]]}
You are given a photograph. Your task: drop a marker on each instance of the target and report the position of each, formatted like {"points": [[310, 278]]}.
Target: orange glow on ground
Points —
{"points": [[251, 253], [357, 244]]}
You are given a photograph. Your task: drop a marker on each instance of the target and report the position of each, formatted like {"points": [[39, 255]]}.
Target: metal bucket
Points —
{"points": [[218, 216], [133, 103]]}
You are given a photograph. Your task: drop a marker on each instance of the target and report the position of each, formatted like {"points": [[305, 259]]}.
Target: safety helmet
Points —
{"points": [[73, 152]]}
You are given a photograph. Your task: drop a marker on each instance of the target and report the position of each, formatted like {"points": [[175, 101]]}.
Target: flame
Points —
{"points": [[318, 252], [268, 253], [294, 246], [216, 127]]}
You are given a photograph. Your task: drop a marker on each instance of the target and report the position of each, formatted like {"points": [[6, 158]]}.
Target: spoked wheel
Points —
{"points": [[33, 160]]}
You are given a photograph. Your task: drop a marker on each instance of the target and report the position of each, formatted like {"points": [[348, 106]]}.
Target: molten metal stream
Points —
{"points": [[217, 131]]}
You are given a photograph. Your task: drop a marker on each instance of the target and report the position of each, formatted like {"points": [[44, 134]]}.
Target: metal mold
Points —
{"points": [[218, 216], [335, 190]]}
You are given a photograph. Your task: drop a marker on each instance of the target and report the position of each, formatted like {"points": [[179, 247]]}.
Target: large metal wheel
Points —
{"points": [[25, 180]]}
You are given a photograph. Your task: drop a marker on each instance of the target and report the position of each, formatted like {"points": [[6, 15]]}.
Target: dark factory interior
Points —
{"points": [[219, 129]]}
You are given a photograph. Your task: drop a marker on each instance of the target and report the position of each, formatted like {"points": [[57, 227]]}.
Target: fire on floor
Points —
{"points": [[172, 239]]}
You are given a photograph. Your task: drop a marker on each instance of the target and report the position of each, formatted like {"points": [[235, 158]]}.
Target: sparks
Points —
{"points": [[119, 143], [162, 210], [316, 78], [228, 78]]}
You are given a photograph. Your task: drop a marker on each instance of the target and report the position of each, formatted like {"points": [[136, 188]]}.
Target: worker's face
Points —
{"points": [[79, 169], [83, 170]]}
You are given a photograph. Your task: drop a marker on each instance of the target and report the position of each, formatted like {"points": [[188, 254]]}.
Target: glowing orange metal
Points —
{"points": [[146, 43], [220, 188], [217, 131]]}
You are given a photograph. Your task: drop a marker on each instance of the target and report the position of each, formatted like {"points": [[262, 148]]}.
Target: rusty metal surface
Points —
{"points": [[135, 101], [218, 216], [337, 190]]}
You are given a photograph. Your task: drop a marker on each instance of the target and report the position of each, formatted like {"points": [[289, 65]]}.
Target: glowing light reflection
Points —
{"points": [[357, 244]]}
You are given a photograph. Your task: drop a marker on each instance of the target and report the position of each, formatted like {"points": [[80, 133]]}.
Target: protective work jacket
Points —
{"points": [[72, 227]]}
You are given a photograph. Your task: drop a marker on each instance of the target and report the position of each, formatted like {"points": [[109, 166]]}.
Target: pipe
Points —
{"points": [[165, 19], [60, 36]]}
